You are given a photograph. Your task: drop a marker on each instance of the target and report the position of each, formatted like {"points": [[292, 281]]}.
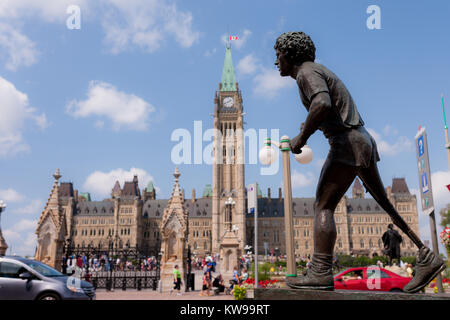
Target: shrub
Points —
{"points": [[239, 293]]}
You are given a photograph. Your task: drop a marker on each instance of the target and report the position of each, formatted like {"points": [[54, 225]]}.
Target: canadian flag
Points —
{"points": [[233, 38]]}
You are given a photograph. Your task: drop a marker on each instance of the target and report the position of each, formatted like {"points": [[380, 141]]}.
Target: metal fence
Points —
{"points": [[123, 279], [113, 274]]}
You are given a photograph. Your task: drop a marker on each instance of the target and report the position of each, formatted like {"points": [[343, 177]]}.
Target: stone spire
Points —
{"points": [[228, 82], [358, 190], [116, 191], [53, 201]]}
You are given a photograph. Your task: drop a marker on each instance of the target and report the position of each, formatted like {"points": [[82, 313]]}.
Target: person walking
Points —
{"points": [[176, 280], [206, 285]]}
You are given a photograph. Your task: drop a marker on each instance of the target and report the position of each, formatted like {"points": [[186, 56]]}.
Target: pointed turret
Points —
{"points": [[228, 82], [116, 191], [358, 190]]}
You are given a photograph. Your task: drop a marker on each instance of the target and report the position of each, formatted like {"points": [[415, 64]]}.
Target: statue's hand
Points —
{"points": [[297, 144]]}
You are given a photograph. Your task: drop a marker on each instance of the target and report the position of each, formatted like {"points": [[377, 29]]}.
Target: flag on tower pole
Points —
{"points": [[234, 38]]}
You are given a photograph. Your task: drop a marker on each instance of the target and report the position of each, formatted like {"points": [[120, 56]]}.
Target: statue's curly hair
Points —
{"points": [[297, 46]]}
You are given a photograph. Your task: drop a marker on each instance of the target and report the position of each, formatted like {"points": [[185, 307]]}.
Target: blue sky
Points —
{"points": [[102, 102]]}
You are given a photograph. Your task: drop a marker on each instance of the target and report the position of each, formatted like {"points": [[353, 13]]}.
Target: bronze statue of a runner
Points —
{"points": [[353, 152]]}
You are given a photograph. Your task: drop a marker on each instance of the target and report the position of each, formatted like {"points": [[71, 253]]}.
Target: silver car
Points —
{"points": [[25, 279]]}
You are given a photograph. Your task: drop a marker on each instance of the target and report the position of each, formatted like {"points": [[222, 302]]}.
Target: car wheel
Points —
{"points": [[49, 297], [396, 290]]}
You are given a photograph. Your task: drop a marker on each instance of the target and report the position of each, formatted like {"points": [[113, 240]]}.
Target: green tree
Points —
{"points": [[445, 216]]}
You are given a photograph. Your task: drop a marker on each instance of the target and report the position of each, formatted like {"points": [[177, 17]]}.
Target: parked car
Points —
{"points": [[370, 278], [25, 279]]}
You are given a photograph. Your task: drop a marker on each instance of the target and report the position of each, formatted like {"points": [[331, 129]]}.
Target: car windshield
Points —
{"points": [[43, 269]]}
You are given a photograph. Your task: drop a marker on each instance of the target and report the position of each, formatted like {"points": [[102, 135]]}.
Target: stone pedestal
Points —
{"points": [[293, 294], [229, 254]]}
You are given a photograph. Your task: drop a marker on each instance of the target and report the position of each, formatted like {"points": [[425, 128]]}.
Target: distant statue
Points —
{"points": [[391, 241], [353, 153]]}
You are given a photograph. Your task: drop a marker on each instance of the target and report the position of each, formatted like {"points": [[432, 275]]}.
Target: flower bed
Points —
{"points": [[242, 291]]}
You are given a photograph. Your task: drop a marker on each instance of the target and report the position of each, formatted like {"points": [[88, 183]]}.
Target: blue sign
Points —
{"points": [[421, 146], [424, 183]]}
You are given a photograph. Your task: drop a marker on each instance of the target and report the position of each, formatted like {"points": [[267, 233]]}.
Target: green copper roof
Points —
{"points": [[259, 193], [86, 195], [207, 192], [150, 187], [228, 79]]}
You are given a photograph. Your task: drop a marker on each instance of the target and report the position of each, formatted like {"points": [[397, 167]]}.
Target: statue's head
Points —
{"points": [[390, 226], [295, 48]]}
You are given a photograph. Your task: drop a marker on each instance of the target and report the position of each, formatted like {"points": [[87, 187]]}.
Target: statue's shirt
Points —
{"points": [[349, 141]]}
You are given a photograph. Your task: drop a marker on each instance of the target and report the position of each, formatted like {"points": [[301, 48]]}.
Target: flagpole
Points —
{"points": [[447, 142]]}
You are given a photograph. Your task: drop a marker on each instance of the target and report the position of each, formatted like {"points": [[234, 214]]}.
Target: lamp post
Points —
{"points": [[267, 157], [3, 245], [229, 204]]}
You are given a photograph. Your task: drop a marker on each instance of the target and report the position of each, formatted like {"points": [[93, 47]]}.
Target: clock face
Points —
{"points": [[228, 102]]}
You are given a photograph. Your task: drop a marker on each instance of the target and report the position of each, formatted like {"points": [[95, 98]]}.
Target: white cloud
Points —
{"points": [[24, 225], [34, 207], [269, 82], [300, 180], [209, 53], [122, 109], [145, 24], [402, 143], [441, 195], [15, 110], [240, 42], [101, 183], [16, 48], [10, 195], [21, 237], [319, 163], [248, 65], [389, 130], [49, 11]]}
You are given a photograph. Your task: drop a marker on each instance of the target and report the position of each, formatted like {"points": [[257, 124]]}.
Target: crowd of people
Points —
{"points": [[102, 262]]}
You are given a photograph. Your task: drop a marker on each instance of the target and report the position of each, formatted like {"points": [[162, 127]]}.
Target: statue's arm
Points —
{"points": [[318, 112]]}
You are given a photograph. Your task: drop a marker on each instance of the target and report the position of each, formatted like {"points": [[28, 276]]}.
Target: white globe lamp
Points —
{"points": [[305, 156], [267, 155]]}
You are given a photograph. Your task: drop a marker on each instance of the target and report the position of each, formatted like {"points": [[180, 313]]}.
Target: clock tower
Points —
{"points": [[228, 197]]}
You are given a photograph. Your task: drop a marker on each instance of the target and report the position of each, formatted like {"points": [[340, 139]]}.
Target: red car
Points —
{"points": [[370, 278]]}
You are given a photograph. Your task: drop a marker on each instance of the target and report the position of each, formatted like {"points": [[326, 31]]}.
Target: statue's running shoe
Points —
{"points": [[318, 277], [428, 266]]}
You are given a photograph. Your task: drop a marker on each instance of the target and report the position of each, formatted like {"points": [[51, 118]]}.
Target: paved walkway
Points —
{"points": [[155, 295]]}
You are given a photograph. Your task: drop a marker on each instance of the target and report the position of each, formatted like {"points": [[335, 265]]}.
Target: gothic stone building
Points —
{"points": [[131, 217]]}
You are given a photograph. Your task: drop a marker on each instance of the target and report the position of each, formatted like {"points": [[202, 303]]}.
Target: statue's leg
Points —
{"points": [[334, 181], [372, 181], [428, 264]]}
